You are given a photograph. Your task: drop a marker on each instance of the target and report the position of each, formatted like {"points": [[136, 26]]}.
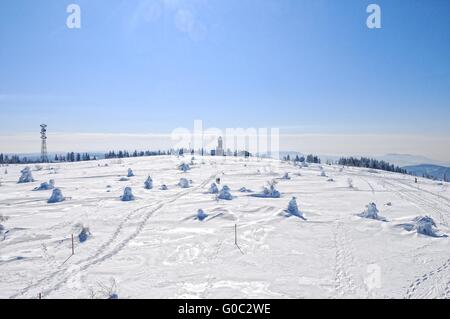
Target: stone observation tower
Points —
{"points": [[44, 156], [219, 150]]}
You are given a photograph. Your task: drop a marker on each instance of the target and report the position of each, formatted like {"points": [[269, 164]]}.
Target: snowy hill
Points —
{"points": [[158, 245]]}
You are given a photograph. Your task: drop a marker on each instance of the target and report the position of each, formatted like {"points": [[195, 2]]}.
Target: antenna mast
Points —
{"points": [[44, 156]]}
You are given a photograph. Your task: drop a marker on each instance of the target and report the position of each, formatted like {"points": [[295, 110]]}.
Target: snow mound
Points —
{"points": [[350, 182], [245, 190], [323, 174], [124, 179], [213, 189], [286, 176], [163, 187], [371, 212], [127, 195], [269, 192], [148, 184], [423, 225], [84, 234], [56, 197], [201, 216], [46, 186], [293, 210], [130, 173], [184, 183], [330, 180], [26, 176], [225, 193], [184, 167]]}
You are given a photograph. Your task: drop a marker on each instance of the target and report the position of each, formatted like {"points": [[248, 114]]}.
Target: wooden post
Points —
{"points": [[40, 295], [73, 248]]}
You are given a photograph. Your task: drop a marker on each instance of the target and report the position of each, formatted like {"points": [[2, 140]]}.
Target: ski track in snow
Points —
{"points": [[436, 275], [256, 223], [55, 280]]}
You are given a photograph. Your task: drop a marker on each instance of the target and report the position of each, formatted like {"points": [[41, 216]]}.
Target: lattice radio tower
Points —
{"points": [[44, 156]]}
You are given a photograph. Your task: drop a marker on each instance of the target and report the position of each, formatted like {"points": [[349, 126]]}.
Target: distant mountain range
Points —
{"points": [[437, 172]]}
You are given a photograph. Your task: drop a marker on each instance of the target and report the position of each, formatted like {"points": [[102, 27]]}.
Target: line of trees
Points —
{"points": [[126, 154], [75, 157], [69, 157], [371, 163], [309, 159], [14, 159]]}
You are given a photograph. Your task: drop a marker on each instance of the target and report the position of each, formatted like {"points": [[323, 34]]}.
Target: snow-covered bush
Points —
{"points": [[26, 176], [184, 167], [130, 173], [56, 197], [163, 187], [245, 190], [201, 216], [148, 184], [184, 183], [323, 174], [225, 193], [330, 180], [371, 212], [84, 234], [124, 179], [46, 186], [213, 189], [286, 176], [424, 225], [269, 192], [293, 210], [127, 195], [350, 182]]}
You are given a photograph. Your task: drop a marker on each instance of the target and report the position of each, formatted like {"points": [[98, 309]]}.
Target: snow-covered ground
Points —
{"points": [[155, 246]]}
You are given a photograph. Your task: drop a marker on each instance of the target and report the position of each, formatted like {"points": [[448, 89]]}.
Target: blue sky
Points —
{"points": [[151, 66]]}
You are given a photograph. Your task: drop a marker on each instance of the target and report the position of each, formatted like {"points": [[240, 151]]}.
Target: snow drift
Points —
{"points": [[269, 192], [56, 197], [245, 190], [46, 186], [184, 183], [148, 184], [184, 167], [213, 189], [293, 210], [84, 234], [127, 195], [371, 212], [423, 225], [225, 193], [26, 176], [201, 216]]}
